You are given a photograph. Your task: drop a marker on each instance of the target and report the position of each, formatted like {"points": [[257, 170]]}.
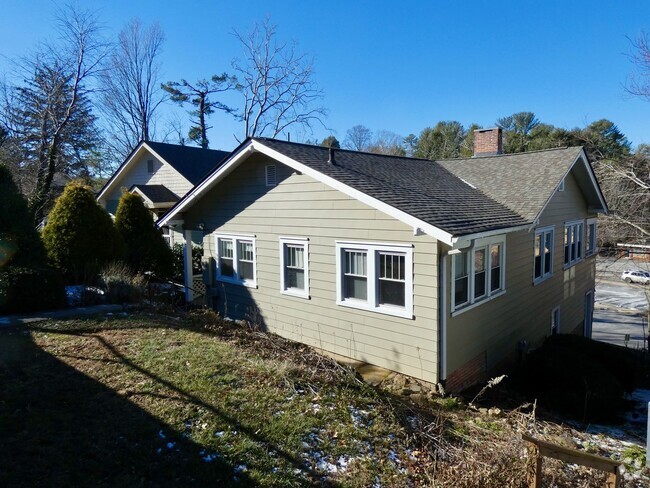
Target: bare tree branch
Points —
{"points": [[276, 83]]}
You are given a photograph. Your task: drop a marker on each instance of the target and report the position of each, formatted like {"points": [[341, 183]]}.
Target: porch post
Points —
{"points": [[189, 275]]}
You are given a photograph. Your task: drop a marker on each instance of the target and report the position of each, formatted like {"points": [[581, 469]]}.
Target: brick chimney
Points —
{"points": [[488, 142]]}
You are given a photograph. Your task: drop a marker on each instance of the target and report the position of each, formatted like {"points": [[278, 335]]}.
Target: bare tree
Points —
{"points": [[638, 83], [131, 86], [358, 138], [198, 94], [47, 115], [389, 143], [276, 83]]}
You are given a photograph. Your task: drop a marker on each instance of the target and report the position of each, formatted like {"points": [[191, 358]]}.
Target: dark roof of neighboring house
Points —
{"points": [[192, 162], [523, 182], [423, 189], [157, 193]]}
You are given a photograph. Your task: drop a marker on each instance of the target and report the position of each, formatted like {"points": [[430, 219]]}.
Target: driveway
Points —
{"points": [[621, 309]]}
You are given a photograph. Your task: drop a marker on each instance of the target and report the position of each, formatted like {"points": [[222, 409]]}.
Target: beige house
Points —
{"points": [[161, 174], [442, 270]]}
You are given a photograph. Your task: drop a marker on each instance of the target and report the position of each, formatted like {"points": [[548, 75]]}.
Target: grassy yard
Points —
{"points": [[149, 400]]}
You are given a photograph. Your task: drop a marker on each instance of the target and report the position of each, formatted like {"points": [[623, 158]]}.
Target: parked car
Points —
{"points": [[639, 276]]}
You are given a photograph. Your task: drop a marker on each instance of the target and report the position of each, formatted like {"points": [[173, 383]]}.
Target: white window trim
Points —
{"points": [[236, 238], [299, 241], [582, 243], [559, 317], [490, 295], [591, 252], [372, 303], [543, 231]]}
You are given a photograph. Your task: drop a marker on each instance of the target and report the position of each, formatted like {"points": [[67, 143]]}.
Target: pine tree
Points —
{"points": [[146, 249]]}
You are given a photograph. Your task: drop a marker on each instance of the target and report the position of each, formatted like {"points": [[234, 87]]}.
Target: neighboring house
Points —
{"points": [[161, 174], [443, 271]]}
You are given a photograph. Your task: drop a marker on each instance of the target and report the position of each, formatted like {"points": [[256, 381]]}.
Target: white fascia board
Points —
{"points": [[463, 242], [257, 146], [143, 196], [429, 229], [582, 156], [594, 182], [191, 196], [143, 147]]}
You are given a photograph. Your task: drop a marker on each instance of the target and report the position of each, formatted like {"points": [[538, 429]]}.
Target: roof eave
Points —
{"points": [[255, 145]]}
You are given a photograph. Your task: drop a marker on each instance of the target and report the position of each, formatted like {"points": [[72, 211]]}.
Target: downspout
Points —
{"points": [[442, 316]]}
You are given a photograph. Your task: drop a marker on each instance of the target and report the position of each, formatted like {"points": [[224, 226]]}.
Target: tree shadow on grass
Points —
{"points": [[65, 428], [60, 427]]}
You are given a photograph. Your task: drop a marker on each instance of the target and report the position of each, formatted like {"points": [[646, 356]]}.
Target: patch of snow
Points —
{"points": [[170, 445], [210, 457], [4, 320], [221, 433], [162, 435]]}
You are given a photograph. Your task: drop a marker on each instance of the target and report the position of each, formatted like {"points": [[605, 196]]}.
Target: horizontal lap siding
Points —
{"points": [[137, 174], [302, 207], [524, 312]]}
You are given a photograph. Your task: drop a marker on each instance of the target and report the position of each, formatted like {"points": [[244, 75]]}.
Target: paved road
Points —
{"points": [[620, 309]]}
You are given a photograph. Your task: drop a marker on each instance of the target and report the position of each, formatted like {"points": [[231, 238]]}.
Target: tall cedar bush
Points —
{"points": [[20, 244], [146, 249], [79, 236], [26, 282]]}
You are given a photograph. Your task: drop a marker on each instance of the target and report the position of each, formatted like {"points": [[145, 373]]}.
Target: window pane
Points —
{"points": [[495, 271], [225, 267], [538, 256], [295, 278], [355, 263], [479, 273], [567, 244], [355, 287], [246, 270], [461, 293], [460, 265], [579, 234], [548, 250], [245, 251], [226, 248], [391, 293], [391, 266]]}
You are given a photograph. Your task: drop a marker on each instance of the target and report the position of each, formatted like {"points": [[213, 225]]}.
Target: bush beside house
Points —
{"points": [[79, 237], [146, 249], [27, 283]]}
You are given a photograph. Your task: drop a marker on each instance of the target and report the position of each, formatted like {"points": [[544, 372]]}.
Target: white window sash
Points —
{"points": [[471, 302], [372, 276], [541, 233], [590, 246], [236, 239], [576, 237], [297, 242]]}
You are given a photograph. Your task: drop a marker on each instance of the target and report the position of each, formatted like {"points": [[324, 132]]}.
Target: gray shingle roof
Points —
{"points": [[421, 188], [523, 182], [192, 162], [157, 193]]}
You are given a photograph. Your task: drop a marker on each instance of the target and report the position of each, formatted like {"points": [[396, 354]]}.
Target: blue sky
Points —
{"points": [[401, 66]]}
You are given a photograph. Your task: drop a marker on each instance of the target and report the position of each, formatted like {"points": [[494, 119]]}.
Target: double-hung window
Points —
{"points": [[573, 240], [236, 259], [477, 273], [543, 266], [376, 277], [590, 239], [294, 266]]}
